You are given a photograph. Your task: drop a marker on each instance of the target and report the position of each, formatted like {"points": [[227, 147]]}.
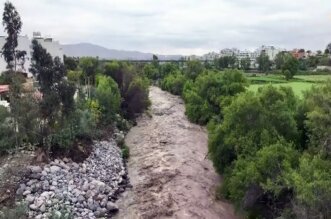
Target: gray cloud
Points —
{"points": [[181, 26]]}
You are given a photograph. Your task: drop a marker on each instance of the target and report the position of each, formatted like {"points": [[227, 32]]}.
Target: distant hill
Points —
{"points": [[88, 49]]}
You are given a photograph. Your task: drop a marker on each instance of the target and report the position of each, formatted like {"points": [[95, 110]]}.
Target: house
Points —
{"points": [[4, 91], [25, 44]]}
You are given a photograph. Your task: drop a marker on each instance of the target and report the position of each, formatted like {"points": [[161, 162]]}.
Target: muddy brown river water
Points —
{"points": [[168, 169]]}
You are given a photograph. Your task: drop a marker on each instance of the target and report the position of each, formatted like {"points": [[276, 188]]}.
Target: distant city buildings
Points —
{"points": [[25, 44], [271, 51]]}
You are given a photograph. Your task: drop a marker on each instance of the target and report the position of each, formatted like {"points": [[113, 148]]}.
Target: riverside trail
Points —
{"points": [[171, 176]]}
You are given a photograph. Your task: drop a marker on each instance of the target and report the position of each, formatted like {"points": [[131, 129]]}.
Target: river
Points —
{"points": [[169, 171]]}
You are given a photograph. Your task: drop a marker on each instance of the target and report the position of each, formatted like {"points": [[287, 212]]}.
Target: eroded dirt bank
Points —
{"points": [[168, 169]]}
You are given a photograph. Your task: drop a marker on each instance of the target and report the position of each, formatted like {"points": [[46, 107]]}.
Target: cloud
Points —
{"points": [[181, 26]]}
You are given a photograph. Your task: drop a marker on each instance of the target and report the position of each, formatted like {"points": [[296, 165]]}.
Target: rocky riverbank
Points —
{"points": [[86, 190]]}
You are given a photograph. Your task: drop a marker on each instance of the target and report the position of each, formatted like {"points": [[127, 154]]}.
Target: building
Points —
{"points": [[25, 44], [271, 51], [211, 56], [229, 52]]}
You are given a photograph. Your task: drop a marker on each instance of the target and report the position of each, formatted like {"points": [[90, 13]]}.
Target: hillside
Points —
{"points": [[88, 49]]}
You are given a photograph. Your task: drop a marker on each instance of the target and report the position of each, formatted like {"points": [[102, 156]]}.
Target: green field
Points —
{"points": [[299, 84]]}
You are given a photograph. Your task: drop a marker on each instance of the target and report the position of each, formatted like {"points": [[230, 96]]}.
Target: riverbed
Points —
{"points": [[169, 170]]}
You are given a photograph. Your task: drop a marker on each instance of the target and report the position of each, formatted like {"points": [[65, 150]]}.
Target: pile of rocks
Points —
{"points": [[85, 190]]}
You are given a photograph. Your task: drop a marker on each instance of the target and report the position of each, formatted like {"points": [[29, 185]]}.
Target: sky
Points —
{"points": [[180, 26]]}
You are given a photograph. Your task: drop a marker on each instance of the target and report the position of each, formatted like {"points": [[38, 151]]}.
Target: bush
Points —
{"points": [[7, 133], [312, 187], [133, 89], [136, 97], [174, 83], [108, 96], [125, 152], [252, 121], [206, 95], [262, 181], [317, 106]]}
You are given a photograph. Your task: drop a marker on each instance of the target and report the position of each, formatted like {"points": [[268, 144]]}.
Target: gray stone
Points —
{"points": [[33, 207], [57, 214], [35, 169], [54, 169], [20, 191], [111, 206], [29, 198], [26, 192], [43, 208]]}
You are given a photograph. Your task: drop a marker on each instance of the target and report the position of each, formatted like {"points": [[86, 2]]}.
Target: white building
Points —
{"points": [[211, 56], [25, 44], [229, 52], [271, 51]]}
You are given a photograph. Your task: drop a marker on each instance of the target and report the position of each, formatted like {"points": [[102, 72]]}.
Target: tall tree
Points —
{"points": [[290, 67], [89, 66], [264, 62], [245, 63], [12, 23], [57, 95]]}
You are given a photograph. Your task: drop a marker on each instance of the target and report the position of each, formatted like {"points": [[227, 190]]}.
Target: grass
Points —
{"points": [[299, 83], [298, 87]]}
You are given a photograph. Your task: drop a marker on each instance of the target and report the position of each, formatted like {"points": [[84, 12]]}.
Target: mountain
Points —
{"points": [[88, 49]]}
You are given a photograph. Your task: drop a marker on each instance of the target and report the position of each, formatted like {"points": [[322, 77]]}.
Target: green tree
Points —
{"points": [[71, 63], [168, 68], [226, 62], [252, 121], [280, 59], [290, 67], [108, 96], [151, 72], [264, 62], [7, 133], [13, 24], [89, 66], [193, 69], [155, 62], [245, 63], [57, 95], [318, 117], [261, 181], [205, 97], [312, 186], [174, 82]]}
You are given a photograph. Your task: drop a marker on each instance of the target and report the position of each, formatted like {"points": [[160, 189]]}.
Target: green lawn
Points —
{"points": [[314, 78], [299, 83], [298, 87]]}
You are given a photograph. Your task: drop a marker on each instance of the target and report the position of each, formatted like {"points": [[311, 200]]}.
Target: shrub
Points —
{"points": [[262, 181], [174, 83], [136, 97], [252, 121], [133, 89], [312, 187], [206, 95], [125, 152], [7, 133], [108, 96]]}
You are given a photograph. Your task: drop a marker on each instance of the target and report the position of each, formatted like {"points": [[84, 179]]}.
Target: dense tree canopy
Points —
{"points": [[205, 96]]}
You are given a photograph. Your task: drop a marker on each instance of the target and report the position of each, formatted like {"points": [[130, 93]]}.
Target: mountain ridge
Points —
{"points": [[93, 50]]}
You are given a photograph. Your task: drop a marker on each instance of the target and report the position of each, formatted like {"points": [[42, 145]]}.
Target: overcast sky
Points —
{"points": [[180, 26]]}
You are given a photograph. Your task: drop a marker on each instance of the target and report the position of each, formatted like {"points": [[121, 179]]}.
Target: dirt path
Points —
{"points": [[168, 168]]}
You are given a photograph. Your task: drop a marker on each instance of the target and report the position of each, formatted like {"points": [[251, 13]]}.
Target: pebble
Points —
{"points": [[64, 186]]}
